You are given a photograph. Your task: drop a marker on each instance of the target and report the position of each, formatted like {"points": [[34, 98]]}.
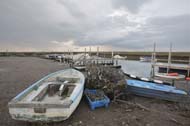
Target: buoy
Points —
{"points": [[158, 81], [145, 79], [133, 76], [188, 78]]}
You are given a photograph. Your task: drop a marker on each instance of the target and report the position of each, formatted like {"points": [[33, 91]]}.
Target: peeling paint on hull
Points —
{"points": [[51, 111], [56, 116], [40, 118]]}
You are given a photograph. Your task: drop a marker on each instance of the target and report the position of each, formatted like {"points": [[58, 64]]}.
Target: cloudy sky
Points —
{"points": [[127, 25]]}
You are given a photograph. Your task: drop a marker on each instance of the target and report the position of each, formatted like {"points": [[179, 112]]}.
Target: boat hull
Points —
{"points": [[52, 114], [159, 94], [32, 110], [172, 70]]}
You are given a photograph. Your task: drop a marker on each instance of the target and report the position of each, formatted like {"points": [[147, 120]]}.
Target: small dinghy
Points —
{"points": [[53, 98], [165, 92], [80, 68], [170, 76], [146, 79]]}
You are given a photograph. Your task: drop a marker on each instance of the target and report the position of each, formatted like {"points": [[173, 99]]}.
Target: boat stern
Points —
{"points": [[29, 116]]}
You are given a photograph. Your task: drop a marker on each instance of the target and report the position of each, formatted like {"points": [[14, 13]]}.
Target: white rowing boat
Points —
{"points": [[53, 98]]}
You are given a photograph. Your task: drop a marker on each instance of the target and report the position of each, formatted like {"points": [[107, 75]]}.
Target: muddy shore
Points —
{"points": [[17, 73]]}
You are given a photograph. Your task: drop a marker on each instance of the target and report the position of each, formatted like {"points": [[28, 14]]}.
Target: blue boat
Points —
{"points": [[160, 91]]}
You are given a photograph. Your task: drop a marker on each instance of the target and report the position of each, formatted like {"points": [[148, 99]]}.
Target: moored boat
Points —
{"points": [[145, 59], [159, 91], [146, 79], [80, 68], [170, 76], [53, 98]]}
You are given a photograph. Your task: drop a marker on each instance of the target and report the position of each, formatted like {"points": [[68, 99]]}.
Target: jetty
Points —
{"points": [[170, 67]]}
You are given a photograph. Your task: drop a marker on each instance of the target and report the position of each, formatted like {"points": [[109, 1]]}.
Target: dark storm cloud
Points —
{"points": [[162, 30], [72, 8], [131, 5], [24, 22], [116, 23], [20, 22], [174, 29]]}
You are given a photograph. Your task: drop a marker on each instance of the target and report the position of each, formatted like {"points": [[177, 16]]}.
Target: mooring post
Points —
{"points": [[97, 54], [169, 58], [112, 57], [153, 60], [84, 56], [189, 68], [90, 51]]}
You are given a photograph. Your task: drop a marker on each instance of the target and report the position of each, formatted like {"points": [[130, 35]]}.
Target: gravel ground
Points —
{"points": [[17, 73]]}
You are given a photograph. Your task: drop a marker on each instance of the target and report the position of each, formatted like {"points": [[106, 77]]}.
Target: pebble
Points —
{"points": [[134, 117], [123, 123], [147, 124], [80, 122], [115, 119], [129, 110]]}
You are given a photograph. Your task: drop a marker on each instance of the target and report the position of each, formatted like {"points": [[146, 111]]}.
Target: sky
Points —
{"points": [[119, 25]]}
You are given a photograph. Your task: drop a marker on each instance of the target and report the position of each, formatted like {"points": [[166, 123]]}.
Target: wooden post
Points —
{"points": [[68, 60], [84, 56], [90, 51], [112, 54], [112, 57], [7, 52], [169, 58], [153, 60], [72, 62], [97, 54], [189, 68]]}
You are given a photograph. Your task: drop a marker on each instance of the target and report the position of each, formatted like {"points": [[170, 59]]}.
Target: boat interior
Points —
{"points": [[53, 89]]}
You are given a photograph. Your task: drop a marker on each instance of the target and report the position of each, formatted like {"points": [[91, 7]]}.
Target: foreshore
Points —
{"points": [[17, 73]]}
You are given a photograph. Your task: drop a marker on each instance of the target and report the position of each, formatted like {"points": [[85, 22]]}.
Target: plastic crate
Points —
{"points": [[97, 103]]}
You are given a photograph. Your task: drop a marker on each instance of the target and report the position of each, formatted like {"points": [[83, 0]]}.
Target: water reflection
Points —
{"points": [[137, 68]]}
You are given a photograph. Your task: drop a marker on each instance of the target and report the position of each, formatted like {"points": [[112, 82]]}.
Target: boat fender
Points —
{"points": [[133, 76], [144, 79], [173, 74], [158, 81], [188, 78]]}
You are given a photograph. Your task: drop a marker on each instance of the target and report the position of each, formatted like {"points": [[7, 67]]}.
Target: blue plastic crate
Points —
{"points": [[98, 103]]}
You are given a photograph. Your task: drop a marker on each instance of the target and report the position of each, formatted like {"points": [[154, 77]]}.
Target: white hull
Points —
{"points": [[52, 114], [145, 59], [164, 75], [55, 108]]}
